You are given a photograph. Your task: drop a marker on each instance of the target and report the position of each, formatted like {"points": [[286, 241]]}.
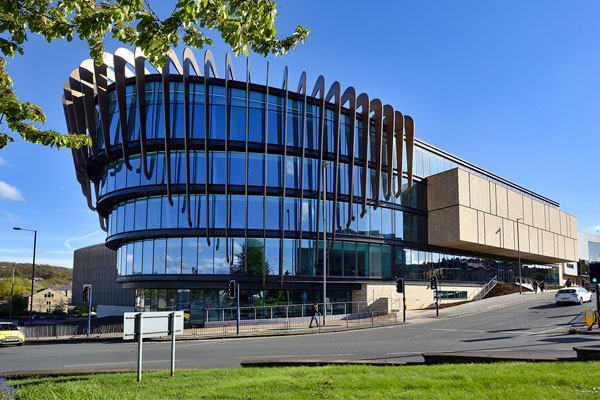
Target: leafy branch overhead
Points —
{"points": [[245, 25]]}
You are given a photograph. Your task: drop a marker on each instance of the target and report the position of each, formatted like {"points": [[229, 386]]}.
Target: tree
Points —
{"points": [[244, 25], [254, 259]]}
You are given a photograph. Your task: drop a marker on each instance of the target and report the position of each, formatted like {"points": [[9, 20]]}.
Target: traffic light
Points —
{"points": [[231, 289], [595, 273], [434, 283], [86, 292], [399, 285]]}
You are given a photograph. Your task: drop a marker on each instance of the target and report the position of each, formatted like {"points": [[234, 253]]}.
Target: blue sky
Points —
{"points": [[510, 86]]}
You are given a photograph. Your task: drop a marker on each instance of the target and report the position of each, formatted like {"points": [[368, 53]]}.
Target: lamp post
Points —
{"points": [[288, 229], [519, 257], [32, 268], [325, 165]]}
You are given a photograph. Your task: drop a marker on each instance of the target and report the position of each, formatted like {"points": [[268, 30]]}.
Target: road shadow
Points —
{"points": [[509, 330], [543, 306], [566, 340], [486, 339]]}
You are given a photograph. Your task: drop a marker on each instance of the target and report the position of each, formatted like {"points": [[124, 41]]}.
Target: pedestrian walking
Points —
{"points": [[534, 286], [568, 283], [314, 313], [542, 286]]}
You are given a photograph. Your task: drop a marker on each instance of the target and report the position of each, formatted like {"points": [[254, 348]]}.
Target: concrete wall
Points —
{"points": [[383, 297], [97, 265], [469, 212]]}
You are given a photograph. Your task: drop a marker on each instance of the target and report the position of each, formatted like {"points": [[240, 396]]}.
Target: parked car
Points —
{"points": [[572, 295], [10, 334]]}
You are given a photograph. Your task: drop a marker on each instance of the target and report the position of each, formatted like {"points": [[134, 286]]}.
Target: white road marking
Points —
{"points": [[113, 363], [297, 355]]}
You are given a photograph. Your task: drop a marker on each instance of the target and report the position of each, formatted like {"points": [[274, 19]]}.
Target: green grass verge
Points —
{"points": [[573, 380]]}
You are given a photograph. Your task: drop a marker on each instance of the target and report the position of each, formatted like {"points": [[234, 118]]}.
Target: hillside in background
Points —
{"points": [[45, 275]]}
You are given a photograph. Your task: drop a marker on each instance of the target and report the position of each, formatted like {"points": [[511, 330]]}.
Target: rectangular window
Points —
{"points": [[349, 259], [275, 120], [221, 266], [137, 258], [237, 115], [375, 261], [148, 257], [133, 174], [255, 217], [169, 212], [256, 117], [274, 171], [217, 167], [271, 262], [189, 255], [129, 215], [273, 213], [256, 169], [160, 254], [205, 258], [237, 168], [237, 209], [362, 259], [140, 214], [217, 112], [153, 211], [290, 260], [174, 256], [129, 259]]}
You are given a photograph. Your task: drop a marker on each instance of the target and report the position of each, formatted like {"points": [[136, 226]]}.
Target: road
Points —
{"points": [[535, 327]]}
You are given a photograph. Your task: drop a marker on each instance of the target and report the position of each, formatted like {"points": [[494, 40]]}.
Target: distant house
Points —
{"points": [[47, 300]]}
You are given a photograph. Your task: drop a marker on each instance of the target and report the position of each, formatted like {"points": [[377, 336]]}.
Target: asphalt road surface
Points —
{"points": [[535, 327]]}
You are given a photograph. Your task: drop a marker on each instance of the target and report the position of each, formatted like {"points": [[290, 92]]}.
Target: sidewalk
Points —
{"points": [[475, 307], [299, 326]]}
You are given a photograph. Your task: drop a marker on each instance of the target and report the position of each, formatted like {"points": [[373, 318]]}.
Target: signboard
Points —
{"points": [[155, 324], [142, 325], [590, 318]]}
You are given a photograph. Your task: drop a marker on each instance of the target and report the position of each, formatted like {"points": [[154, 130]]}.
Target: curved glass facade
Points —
{"points": [[154, 237]]}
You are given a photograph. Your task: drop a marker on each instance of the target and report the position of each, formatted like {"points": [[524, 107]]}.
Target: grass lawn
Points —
{"points": [[565, 380]]}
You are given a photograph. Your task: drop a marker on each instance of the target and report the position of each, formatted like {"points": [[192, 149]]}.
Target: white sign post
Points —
{"points": [[141, 325]]}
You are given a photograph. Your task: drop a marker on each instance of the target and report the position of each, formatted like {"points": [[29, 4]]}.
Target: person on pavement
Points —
{"points": [[568, 283], [314, 312], [534, 286], [542, 286]]}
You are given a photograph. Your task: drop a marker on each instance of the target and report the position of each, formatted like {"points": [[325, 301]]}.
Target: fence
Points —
{"points": [[254, 320], [71, 331]]}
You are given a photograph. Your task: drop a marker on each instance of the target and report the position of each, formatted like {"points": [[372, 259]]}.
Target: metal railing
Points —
{"points": [[280, 311], [69, 331], [255, 319], [486, 289]]}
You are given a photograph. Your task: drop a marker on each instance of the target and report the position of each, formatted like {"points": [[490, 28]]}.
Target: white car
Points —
{"points": [[572, 295]]}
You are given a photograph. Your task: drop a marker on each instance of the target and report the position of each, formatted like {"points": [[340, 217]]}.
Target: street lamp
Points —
{"points": [[32, 268], [325, 165], [519, 255]]}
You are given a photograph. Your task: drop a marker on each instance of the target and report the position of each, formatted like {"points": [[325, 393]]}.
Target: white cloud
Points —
{"points": [[8, 216], [75, 239], [596, 228], [10, 192], [3, 162]]}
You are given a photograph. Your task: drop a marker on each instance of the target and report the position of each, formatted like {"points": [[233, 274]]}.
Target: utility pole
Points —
{"points": [[519, 255]]}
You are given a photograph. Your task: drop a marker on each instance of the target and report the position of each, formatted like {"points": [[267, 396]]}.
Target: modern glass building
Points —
{"points": [[198, 179]]}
